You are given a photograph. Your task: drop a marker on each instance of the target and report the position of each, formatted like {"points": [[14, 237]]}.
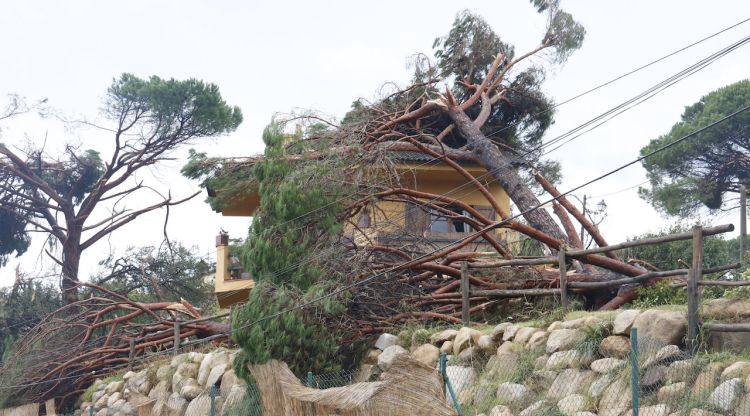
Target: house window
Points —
{"points": [[439, 223]]}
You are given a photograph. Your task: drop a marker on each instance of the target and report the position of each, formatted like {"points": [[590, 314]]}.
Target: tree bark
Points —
{"points": [[501, 168], [71, 260]]}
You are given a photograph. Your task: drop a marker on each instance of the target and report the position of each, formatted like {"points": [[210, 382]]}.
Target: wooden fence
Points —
{"points": [[694, 278]]}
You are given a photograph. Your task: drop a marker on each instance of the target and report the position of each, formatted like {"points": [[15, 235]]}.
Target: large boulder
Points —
{"points": [[215, 375], [605, 365], [228, 381], [600, 384], [114, 386], [661, 327], [616, 346], [537, 340], [533, 410], [486, 344], [570, 381], [184, 372], [682, 370], [500, 410], [524, 334], [571, 405], [726, 309], [510, 332], [726, 394], [461, 378], [624, 321], [564, 359], [656, 410], [427, 354], [501, 366], [191, 390], [513, 392], [740, 369], [499, 330], [201, 405], [210, 361], [464, 339], [176, 405], [616, 399], [654, 376], [386, 340], [737, 342], [445, 335], [672, 392], [667, 353], [562, 339], [385, 360], [233, 398], [708, 379]]}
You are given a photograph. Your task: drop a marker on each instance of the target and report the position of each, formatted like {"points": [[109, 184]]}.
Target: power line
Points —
{"points": [[407, 263], [602, 119], [497, 224], [582, 94]]}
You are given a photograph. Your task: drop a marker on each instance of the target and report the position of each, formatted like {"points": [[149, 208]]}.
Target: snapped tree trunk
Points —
{"points": [[501, 168]]}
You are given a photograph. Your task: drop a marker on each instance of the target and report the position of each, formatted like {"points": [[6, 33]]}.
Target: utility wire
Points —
{"points": [[407, 263]]}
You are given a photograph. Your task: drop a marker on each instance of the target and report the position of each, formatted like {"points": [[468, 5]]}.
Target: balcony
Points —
{"points": [[232, 284]]}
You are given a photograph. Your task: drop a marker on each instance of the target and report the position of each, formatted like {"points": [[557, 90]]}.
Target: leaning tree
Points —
{"points": [[58, 195], [478, 103]]}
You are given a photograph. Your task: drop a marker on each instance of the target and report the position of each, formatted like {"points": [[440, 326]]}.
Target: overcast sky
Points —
{"points": [[270, 57]]}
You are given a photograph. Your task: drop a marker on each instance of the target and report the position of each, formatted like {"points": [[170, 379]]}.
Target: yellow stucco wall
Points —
{"points": [[390, 216], [228, 291]]}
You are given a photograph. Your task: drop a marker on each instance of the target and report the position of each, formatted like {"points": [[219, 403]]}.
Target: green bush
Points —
{"points": [[659, 294]]}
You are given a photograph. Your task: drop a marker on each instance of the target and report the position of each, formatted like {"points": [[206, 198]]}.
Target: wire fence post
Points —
{"points": [[465, 289], [310, 381], [634, 384], [743, 221], [176, 338], [212, 395], [563, 280], [447, 383], [695, 275]]}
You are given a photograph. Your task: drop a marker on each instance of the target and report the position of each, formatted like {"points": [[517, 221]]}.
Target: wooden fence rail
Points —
{"points": [[694, 278]]}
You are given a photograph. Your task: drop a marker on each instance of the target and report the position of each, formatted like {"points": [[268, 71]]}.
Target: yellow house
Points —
{"points": [[389, 223]]}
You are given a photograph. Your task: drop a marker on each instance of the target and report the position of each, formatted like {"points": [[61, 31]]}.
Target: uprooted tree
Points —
{"points": [[321, 184], [59, 196], [89, 338], [79, 198]]}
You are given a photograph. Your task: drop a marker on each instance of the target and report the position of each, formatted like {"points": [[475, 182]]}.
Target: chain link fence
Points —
{"points": [[609, 376], [584, 372]]}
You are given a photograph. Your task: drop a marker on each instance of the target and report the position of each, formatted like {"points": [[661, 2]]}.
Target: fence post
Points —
{"points": [[743, 221], [212, 395], [310, 381], [634, 383], [563, 280], [176, 338], [131, 354], [465, 292], [447, 383], [695, 274]]}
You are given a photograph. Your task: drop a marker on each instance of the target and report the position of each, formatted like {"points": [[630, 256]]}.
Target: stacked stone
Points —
{"points": [[180, 387]]}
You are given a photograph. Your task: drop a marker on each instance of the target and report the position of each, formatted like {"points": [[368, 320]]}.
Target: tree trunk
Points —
{"points": [[501, 168], [71, 259]]}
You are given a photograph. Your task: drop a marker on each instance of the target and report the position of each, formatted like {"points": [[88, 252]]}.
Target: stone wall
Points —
{"points": [[179, 387]]}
